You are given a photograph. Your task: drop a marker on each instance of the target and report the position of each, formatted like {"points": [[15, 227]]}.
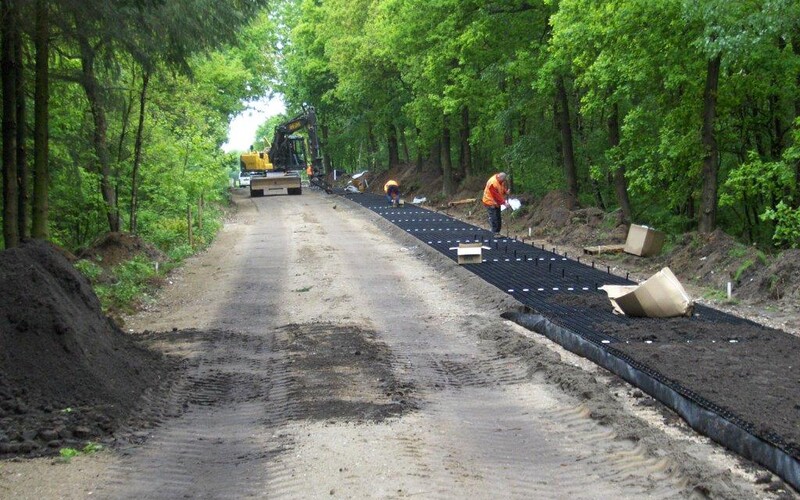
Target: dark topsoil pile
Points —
{"points": [[67, 373]]}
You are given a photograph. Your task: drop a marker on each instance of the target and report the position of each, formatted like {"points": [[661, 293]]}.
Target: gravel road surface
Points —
{"points": [[328, 354]]}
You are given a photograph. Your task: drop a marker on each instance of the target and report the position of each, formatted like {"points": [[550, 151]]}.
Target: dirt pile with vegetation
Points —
{"points": [[714, 259], [115, 248], [68, 375], [779, 281]]}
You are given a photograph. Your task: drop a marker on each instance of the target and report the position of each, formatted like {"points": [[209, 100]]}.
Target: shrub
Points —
{"points": [[787, 224]]}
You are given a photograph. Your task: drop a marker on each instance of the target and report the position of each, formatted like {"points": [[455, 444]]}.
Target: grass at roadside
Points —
{"points": [[125, 287]]}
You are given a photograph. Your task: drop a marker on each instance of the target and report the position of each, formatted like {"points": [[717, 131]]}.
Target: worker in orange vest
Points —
{"points": [[494, 197], [310, 172], [392, 190]]}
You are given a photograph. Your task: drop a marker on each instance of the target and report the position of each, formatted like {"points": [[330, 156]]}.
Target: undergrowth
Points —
{"points": [[124, 287]]}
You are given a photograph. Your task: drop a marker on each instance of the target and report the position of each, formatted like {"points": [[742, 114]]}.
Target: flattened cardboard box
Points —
{"points": [[661, 296], [644, 241]]}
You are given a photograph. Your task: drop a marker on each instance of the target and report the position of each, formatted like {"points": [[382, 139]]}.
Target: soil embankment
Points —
{"points": [[67, 373]]}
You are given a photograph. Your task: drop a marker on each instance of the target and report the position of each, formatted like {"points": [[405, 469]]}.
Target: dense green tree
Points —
{"points": [[681, 113]]}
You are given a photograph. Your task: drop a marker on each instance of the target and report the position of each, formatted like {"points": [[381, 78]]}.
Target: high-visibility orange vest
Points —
{"points": [[310, 171], [494, 194], [388, 184]]}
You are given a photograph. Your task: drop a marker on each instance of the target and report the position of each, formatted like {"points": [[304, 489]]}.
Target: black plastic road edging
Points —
{"points": [[704, 421]]}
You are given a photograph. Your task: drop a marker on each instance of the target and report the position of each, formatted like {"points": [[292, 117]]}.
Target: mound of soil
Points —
{"points": [[67, 373], [413, 183], [778, 281], [550, 218], [713, 259], [115, 248], [551, 213]]}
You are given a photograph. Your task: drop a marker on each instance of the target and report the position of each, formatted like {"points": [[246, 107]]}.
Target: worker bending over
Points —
{"points": [[392, 190], [494, 197]]}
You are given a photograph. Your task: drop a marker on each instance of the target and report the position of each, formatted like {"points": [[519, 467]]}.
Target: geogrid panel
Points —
{"points": [[532, 275]]}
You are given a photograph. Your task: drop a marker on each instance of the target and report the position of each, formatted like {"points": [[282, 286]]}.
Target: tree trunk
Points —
{"points": [[200, 206], [23, 216], [447, 163], [372, 147], [189, 233], [558, 152], [465, 159], [41, 138], [137, 154], [708, 197], [567, 148], [9, 67], [435, 158], [776, 142], [404, 144], [796, 50], [620, 182], [420, 161], [326, 159], [99, 136], [394, 148]]}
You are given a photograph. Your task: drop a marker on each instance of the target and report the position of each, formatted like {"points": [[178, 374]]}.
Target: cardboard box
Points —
{"points": [[661, 296], [644, 241], [470, 253]]}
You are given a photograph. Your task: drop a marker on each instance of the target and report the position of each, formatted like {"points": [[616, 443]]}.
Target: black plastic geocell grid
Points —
{"points": [[530, 274], [535, 275]]}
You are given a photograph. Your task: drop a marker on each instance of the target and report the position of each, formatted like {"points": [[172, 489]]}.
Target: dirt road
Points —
{"points": [[328, 354]]}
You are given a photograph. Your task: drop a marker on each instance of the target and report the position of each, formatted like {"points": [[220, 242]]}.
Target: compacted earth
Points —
{"points": [[315, 350]]}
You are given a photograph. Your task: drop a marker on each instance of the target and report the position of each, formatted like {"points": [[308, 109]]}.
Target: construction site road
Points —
{"points": [[329, 354]]}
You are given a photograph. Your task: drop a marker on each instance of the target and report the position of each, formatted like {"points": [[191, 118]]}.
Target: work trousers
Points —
{"points": [[392, 193], [495, 220]]}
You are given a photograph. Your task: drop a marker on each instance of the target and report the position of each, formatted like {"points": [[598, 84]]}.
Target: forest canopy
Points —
{"points": [[114, 113], [678, 113]]}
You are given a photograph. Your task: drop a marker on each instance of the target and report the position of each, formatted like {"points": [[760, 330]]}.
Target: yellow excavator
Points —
{"points": [[276, 169]]}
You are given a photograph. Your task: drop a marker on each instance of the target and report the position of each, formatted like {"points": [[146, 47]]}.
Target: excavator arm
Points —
{"points": [[283, 152]]}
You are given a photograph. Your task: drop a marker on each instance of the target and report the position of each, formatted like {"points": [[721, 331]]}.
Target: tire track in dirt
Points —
{"points": [[214, 448], [218, 441], [500, 439], [482, 425], [357, 370]]}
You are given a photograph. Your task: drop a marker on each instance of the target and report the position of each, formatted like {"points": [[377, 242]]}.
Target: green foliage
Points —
{"points": [[181, 252], [714, 294], [787, 224], [481, 72], [741, 270], [202, 66], [131, 280], [91, 447], [90, 269], [423, 67], [67, 454], [737, 252]]}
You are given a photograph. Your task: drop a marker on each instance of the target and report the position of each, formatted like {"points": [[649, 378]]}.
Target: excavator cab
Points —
{"points": [[296, 154]]}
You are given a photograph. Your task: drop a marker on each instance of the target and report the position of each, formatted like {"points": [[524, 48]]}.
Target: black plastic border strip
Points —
{"points": [[700, 419]]}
